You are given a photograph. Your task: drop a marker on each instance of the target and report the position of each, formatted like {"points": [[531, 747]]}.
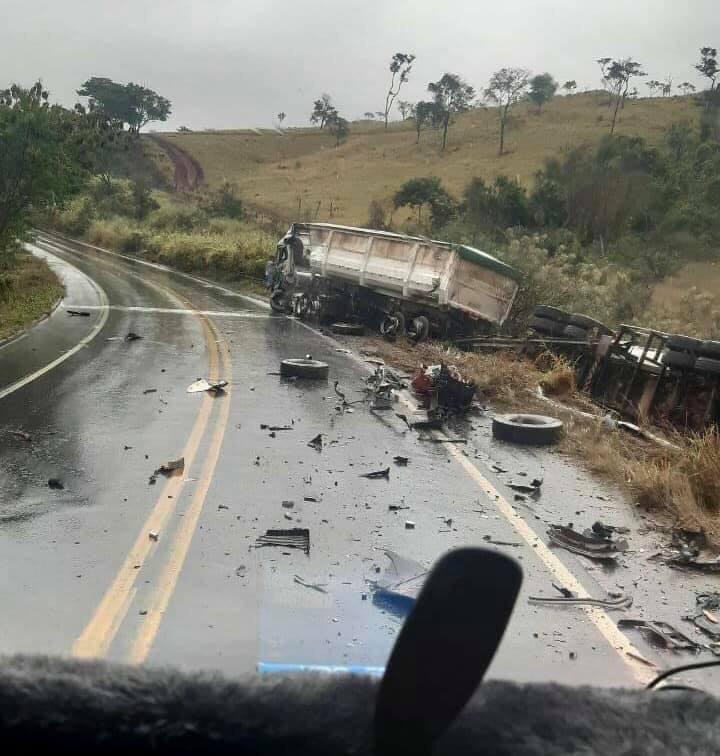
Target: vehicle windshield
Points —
{"points": [[296, 300]]}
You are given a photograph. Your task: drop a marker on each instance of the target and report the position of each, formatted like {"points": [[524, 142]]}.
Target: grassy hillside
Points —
{"points": [[289, 174]]}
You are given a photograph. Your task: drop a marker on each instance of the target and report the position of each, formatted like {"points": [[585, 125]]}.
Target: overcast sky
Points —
{"points": [[233, 63]]}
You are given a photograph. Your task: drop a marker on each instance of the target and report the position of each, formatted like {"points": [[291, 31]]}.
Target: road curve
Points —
{"points": [[113, 566]]}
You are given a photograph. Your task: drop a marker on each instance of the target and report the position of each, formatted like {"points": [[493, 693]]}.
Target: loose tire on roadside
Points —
{"points": [[348, 329], [551, 313], [707, 365], [527, 429], [304, 368], [678, 343], [392, 326]]}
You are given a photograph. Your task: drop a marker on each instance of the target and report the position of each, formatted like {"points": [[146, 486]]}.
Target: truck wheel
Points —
{"points": [[301, 307], [304, 368], [527, 429], [278, 302], [551, 313], [419, 329], [393, 326]]}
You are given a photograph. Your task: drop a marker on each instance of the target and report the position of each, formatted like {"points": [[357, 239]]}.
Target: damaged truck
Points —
{"points": [[401, 285]]}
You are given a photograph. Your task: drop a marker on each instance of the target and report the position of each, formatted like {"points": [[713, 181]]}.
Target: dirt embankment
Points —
{"points": [[188, 172]]}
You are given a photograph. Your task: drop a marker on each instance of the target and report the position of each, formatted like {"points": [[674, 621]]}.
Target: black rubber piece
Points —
{"points": [[420, 329], [575, 332], [583, 321], [546, 326], [707, 365], [683, 343], [278, 301], [304, 368], [527, 429], [348, 329], [710, 349], [683, 360], [551, 313]]}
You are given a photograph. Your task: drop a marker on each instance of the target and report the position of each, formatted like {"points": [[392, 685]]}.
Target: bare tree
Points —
{"points": [[400, 67], [452, 95], [617, 75], [506, 87]]}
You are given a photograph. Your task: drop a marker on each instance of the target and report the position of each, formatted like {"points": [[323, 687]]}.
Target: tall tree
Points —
{"points": [[338, 127], [46, 153], [686, 88], [129, 104], [400, 67], [542, 89], [570, 86], [452, 95], [506, 87], [617, 75], [654, 86], [369, 115], [425, 114], [406, 109], [418, 192], [708, 66], [323, 110], [281, 116]]}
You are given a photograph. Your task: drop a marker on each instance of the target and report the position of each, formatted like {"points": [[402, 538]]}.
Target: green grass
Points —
{"points": [[28, 290], [302, 174]]}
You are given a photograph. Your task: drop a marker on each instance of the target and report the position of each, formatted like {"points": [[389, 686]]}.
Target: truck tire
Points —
{"points": [[419, 330], [527, 429], [551, 313], [304, 368], [575, 332], [710, 349], [278, 302], [348, 329], [392, 326], [583, 321], [679, 343], [545, 326], [707, 365], [682, 360], [301, 306]]}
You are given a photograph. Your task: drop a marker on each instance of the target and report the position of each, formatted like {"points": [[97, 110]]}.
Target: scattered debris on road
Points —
{"points": [[401, 461], [409, 525], [593, 547], [401, 582], [397, 507], [316, 442], [711, 566], [310, 498], [491, 540], [132, 336], [203, 384], [21, 435], [443, 440], [614, 601], [170, 467], [601, 530], [79, 313], [274, 428], [377, 474], [319, 587], [153, 535], [663, 634], [443, 386], [527, 429], [56, 484], [288, 504], [150, 391], [294, 538], [531, 489]]}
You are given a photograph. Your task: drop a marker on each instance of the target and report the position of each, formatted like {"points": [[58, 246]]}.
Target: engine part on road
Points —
{"points": [[348, 329], [663, 634], [419, 329], [527, 429], [592, 547], [293, 538], [305, 367], [203, 384], [621, 602], [392, 326]]}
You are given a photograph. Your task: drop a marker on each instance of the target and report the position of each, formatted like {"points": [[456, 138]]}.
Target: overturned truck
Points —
{"points": [[400, 284]]}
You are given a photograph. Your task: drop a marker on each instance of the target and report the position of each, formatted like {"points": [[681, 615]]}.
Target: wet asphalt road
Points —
{"points": [[82, 576]]}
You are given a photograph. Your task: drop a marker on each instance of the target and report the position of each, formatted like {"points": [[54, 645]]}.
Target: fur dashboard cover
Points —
{"points": [[59, 706]]}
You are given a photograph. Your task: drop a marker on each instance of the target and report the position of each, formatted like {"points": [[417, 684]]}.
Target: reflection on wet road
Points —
{"points": [[170, 573]]}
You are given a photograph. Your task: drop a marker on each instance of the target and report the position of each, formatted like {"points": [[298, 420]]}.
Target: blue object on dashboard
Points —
{"points": [[271, 668]]}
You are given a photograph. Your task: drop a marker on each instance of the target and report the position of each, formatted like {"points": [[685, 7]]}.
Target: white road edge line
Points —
{"points": [[174, 311], [70, 352]]}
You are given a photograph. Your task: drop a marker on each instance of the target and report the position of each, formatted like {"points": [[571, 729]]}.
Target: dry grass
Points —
{"points": [[298, 172], [27, 290], [678, 486]]}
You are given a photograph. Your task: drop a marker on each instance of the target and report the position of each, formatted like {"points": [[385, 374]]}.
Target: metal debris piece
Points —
{"points": [[202, 384], [377, 474], [153, 535], [693, 563], [80, 313], [288, 504], [707, 626], [433, 440], [317, 442], [663, 633], [401, 461], [310, 498], [397, 507], [150, 391], [612, 602], [710, 601], [132, 336], [594, 548], [400, 583], [601, 530], [490, 539], [445, 384], [525, 488], [319, 587], [294, 538], [21, 434], [56, 484], [409, 525], [171, 466], [274, 428]]}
